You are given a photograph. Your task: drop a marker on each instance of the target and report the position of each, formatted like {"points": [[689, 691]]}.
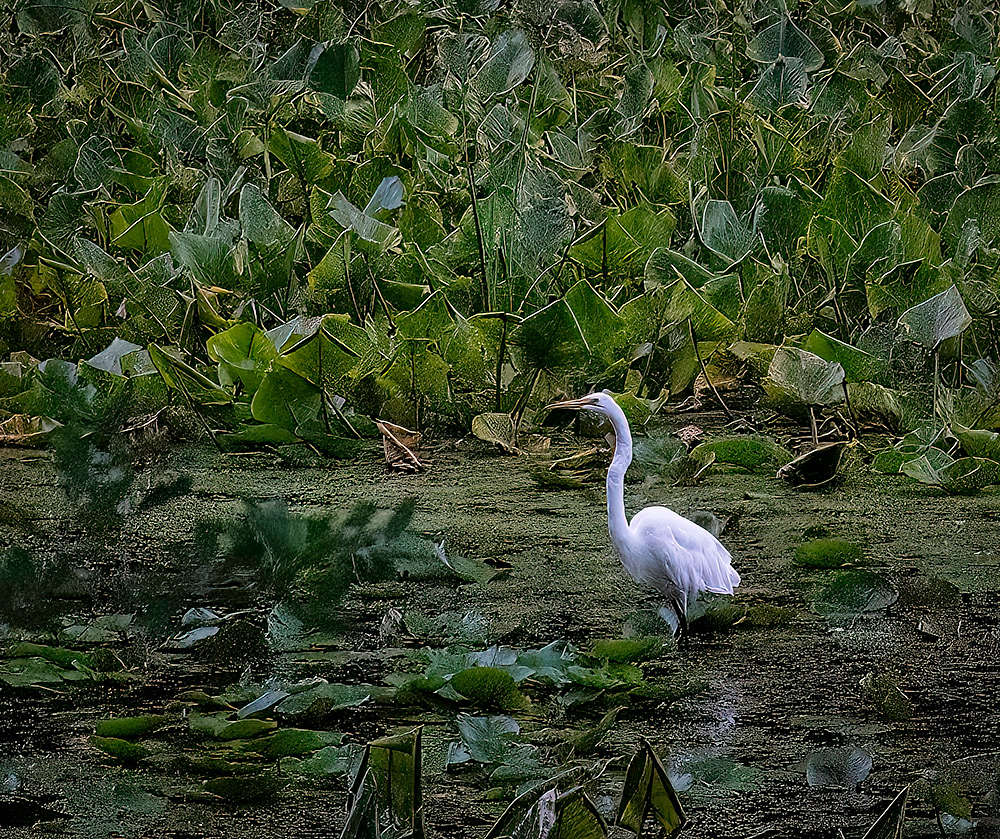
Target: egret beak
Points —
{"points": [[570, 404]]}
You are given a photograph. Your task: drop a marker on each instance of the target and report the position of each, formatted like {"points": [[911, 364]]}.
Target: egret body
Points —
{"points": [[659, 548]]}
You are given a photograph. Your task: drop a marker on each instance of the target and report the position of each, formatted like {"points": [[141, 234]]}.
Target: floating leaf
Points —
{"points": [[850, 592], [324, 699], [845, 768], [328, 762], [295, 741], [488, 739]]}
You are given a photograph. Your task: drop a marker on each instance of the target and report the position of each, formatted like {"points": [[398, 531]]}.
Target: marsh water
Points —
{"points": [[803, 710]]}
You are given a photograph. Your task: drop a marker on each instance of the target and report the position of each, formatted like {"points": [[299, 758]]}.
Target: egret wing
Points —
{"points": [[677, 549]]}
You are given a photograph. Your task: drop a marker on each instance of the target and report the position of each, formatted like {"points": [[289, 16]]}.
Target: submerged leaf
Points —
{"points": [[851, 592], [844, 768]]}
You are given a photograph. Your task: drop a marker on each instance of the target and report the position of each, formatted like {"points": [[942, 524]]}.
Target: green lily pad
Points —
{"points": [[324, 699], [296, 741], [845, 768], [328, 762], [56, 655]]}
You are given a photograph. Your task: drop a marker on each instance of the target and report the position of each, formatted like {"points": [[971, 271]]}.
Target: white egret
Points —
{"points": [[659, 548]]}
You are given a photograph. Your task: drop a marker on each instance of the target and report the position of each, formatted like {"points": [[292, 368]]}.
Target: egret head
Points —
{"points": [[600, 401]]}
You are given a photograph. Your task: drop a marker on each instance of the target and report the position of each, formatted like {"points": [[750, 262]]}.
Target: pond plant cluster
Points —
{"points": [[285, 221], [271, 225]]}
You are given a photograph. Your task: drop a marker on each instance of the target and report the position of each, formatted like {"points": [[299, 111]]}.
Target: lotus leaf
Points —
{"points": [[941, 317], [806, 376], [858, 365]]}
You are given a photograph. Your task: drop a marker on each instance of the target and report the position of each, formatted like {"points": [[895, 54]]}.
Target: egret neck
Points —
{"points": [[617, 522]]}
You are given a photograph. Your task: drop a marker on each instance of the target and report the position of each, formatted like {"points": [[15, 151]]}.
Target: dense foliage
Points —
{"points": [[292, 217]]}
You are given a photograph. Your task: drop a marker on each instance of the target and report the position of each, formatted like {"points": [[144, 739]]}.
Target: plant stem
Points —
{"points": [[704, 371], [522, 401], [812, 423], [479, 238], [934, 400], [604, 253], [500, 360]]}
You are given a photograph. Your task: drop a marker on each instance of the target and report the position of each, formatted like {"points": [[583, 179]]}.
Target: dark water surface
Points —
{"points": [[809, 685]]}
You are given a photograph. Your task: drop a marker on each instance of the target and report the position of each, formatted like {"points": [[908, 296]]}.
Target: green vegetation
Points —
{"points": [[285, 220], [827, 553], [276, 225]]}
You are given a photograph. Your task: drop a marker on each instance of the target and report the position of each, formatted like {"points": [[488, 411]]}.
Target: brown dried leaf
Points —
{"points": [[400, 446]]}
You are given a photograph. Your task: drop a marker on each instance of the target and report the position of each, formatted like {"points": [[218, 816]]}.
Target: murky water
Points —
{"points": [[801, 680]]}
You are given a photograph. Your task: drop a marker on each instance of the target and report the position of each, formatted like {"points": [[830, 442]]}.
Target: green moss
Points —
{"points": [[881, 691], [721, 615], [751, 452], [120, 749], [628, 649], [827, 553], [489, 687], [129, 727], [765, 614]]}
